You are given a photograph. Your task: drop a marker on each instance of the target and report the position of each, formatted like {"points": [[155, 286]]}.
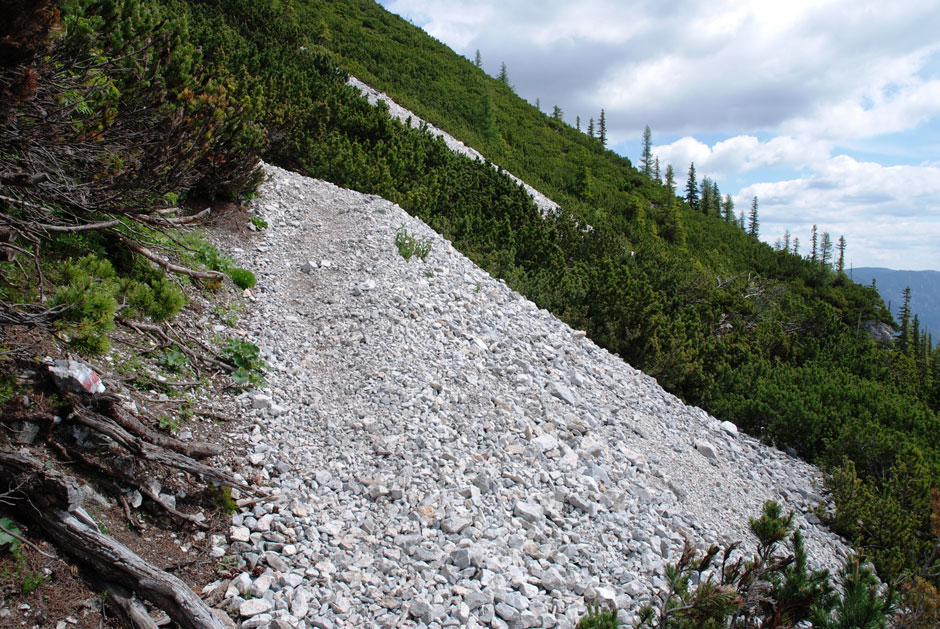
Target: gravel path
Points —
{"points": [[446, 454]]}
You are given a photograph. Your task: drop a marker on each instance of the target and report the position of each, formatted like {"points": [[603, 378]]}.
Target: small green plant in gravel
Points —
{"points": [[228, 314], [410, 245], [224, 501], [169, 423], [598, 618], [258, 222], [249, 368], [173, 360], [243, 278]]}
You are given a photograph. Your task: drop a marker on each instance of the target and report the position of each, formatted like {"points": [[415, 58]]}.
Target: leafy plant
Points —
{"points": [[228, 314], [169, 423], [258, 222], [246, 356], [9, 541], [408, 244], [173, 360]]}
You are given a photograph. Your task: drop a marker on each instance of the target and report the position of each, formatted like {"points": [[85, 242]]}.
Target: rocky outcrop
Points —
{"points": [[881, 332]]}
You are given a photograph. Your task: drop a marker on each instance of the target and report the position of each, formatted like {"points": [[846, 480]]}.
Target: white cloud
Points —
{"points": [[889, 215], [740, 154]]}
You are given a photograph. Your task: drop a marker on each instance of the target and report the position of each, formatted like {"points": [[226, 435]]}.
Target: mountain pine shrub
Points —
{"points": [[773, 588]]}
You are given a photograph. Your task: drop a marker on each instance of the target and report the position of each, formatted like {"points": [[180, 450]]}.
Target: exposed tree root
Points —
{"points": [[52, 501]]}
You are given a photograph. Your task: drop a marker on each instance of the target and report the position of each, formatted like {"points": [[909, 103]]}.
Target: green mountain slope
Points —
{"points": [[757, 336]]}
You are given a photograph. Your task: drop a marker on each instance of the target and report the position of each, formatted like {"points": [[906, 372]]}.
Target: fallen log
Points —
{"points": [[150, 452], [52, 501], [195, 449], [128, 607]]}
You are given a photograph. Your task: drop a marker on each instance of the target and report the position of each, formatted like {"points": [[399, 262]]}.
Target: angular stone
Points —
{"points": [[341, 605], [563, 393], [421, 610], [455, 525], [477, 599], [507, 612], [545, 443], [528, 511], [240, 534], [460, 558], [260, 401], [254, 606], [706, 449]]}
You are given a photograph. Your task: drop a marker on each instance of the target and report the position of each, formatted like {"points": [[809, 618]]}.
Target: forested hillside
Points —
{"points": [[761, 337], [764, 338]]}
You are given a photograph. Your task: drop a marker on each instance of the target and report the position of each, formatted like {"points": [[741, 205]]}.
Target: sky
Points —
{"points": [[827, 111]]}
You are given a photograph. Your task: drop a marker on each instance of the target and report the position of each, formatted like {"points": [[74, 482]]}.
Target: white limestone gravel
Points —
{"points": [[442, 453]]}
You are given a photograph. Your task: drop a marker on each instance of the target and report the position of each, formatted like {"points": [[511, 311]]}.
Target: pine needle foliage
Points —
{"points": [[772, 588]]}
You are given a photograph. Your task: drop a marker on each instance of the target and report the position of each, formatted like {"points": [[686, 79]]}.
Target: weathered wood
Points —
{"points": [[53, 496], [151, 452], [195, 449], [46, 487], [150, 493], [169, 266], [106, 556], [128, 607]]}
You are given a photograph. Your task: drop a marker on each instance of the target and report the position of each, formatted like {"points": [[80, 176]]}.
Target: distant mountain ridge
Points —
{"points": [[925, 292]]}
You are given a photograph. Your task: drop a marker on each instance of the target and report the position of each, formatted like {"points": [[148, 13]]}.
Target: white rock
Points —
{"points": [[254, 606]]}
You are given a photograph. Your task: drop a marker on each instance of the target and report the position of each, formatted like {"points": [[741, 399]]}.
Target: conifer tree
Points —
{"points": [[904, 338], [814, 254], [656, 174], [691, 188], [477, 59], [602, 129], [715, 208], [796, 246], [577, 123], [841, 263], [503, 74], [741, 223], [753, 224], [705, 198], [727, 208], [557, 113], [590, 127], [825, 250], [646, 158], [538, 105], [786, 240], [670, 180]]}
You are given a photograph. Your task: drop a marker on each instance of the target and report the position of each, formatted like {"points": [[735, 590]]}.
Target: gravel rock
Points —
{"points": [[444, 452]]}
